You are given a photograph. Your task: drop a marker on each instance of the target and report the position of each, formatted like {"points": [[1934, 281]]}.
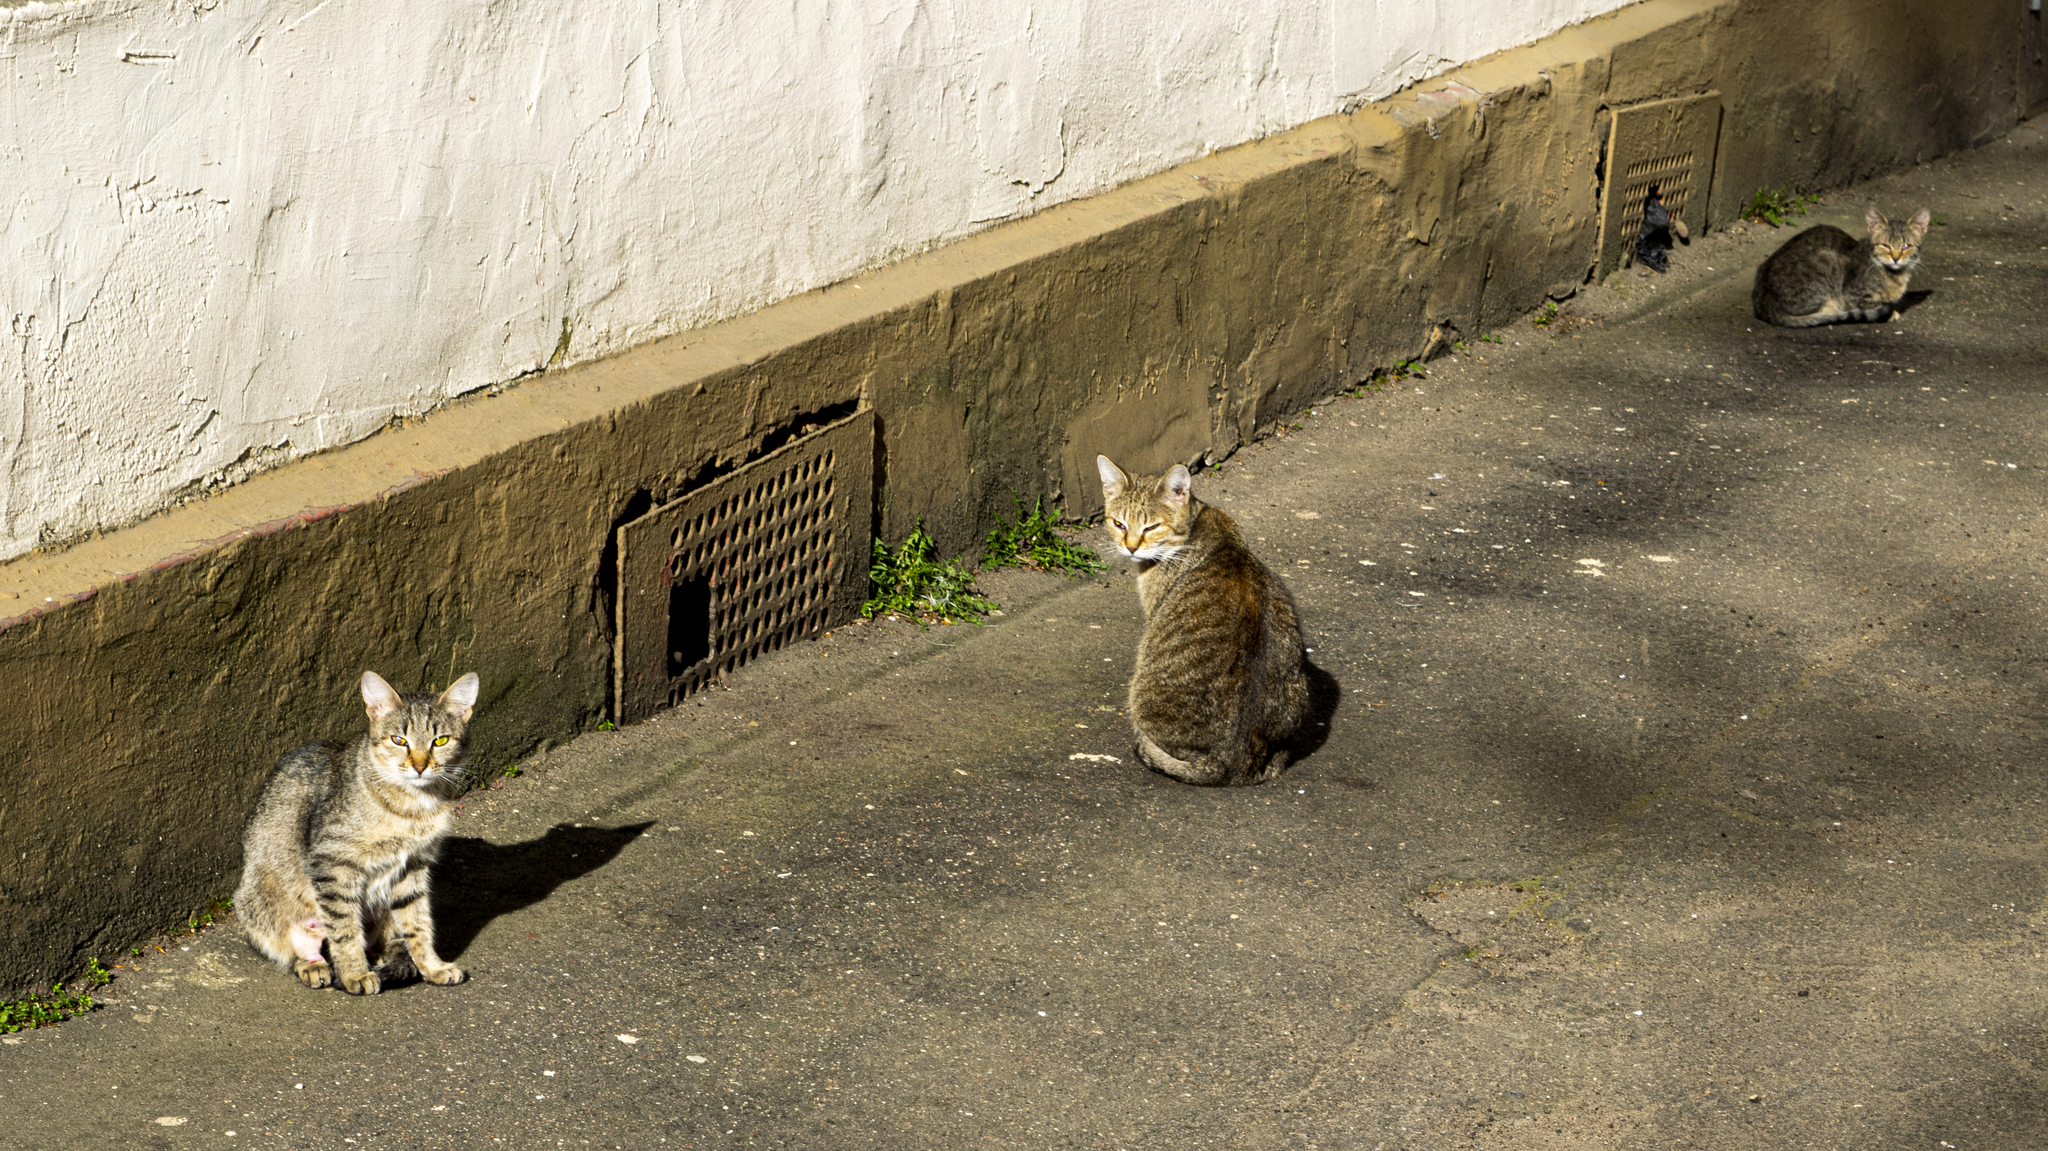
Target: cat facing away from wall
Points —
{"points": [[1219, 685], [338, 851], [1824, 275]]}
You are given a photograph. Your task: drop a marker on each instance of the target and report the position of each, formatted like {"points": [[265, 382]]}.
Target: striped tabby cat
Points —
{"points": [[1824, 275], [1219, 680], [338, 850]]}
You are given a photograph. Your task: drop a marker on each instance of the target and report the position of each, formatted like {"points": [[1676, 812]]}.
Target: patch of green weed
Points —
{"points": [[1774, 206], [1549, 313], [909, 582], [57, 1006], [1033, 540]]}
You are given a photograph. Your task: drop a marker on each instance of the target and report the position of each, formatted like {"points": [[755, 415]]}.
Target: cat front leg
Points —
{"points": [[308, 962], [387, 956], [414, 919], [337, 889]]}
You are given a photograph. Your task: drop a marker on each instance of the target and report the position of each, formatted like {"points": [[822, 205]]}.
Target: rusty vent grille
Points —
{"points": [[1670, 144], [774, 552]]}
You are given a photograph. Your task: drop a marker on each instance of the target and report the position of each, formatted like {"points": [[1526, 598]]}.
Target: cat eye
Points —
{"points": [[1119, 524], [439, 740], [399, 740]]}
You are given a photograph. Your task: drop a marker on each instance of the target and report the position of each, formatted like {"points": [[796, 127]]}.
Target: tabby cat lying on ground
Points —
{"points": [[1219, 682], [339, 847], [1824, 275]]}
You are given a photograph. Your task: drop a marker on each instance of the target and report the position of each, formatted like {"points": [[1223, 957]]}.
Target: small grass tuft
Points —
{"points": [[909, 582], [1544, 318], [204, 918], [57, 1006], [1381, 377], [1033, 540], [1774, 206]]}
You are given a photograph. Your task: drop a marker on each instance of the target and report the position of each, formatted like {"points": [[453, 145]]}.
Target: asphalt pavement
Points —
{"points": [[1681, 786]]}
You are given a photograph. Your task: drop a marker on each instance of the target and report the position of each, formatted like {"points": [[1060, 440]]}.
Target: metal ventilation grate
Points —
{"points": [[1669, 144], [776, 551]]}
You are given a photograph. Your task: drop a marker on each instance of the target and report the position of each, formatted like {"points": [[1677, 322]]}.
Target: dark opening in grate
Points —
{"points": [[1668, 143], [775, 551]]}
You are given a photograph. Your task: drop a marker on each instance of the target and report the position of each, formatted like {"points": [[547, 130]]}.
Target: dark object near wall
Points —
{"points": [[1653, 242]]}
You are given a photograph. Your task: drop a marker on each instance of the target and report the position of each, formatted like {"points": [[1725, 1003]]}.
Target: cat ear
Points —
{"points": [[1114, 481], [1178, 484], [379, 699], [1873, 220], [1918, 224], [461, 695]]}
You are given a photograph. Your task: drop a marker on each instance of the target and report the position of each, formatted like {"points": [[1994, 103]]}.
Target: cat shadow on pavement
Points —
{"points": [[477, 881], [1324, 693]]}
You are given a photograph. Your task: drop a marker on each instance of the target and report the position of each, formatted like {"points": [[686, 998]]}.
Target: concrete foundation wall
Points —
{"points": [[158, 670]]}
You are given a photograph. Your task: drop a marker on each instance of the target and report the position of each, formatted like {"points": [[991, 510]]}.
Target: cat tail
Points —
{"points": [[1206, 769], [1810, 320], [1200, 771]]}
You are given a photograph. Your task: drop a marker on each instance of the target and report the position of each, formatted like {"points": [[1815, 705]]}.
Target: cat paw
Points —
{"points": [[314, 975], [447, 975], [365, 984]]}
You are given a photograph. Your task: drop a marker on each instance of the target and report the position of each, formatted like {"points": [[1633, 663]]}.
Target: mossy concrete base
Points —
{"points": [[157, 671]]}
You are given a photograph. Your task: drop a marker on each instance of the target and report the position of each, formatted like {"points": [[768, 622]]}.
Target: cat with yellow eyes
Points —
{"points": [[1824, 275], [1220, 685], [334, 873]]}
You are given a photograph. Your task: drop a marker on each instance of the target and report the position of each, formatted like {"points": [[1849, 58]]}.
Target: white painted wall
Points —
{"points": [[1382, 46], [237, 231]]}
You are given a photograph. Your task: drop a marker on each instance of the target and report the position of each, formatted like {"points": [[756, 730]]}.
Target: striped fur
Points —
{"points": [[1219, 683], [335, 859], [1824, 275]]}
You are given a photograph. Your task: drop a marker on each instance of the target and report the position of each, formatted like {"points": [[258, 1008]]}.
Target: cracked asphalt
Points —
{"points": [[1681, 787]]}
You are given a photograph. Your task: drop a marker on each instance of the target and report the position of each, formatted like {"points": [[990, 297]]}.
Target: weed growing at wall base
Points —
{"points": [[59, 1005], [203, 918], [1033, 540], [909, 582], [1381, 377], [1774, 206]]}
